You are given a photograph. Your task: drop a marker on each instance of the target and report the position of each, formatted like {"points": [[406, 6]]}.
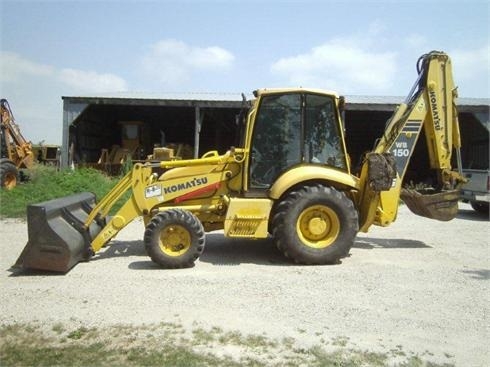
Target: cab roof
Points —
{"points": [[263, 91]]}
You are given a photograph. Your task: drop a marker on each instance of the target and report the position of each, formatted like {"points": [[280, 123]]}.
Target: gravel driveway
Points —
{"points": [[420, 284]]}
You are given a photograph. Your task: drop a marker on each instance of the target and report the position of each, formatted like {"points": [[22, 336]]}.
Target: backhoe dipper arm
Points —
{"points": [[429, 106]]}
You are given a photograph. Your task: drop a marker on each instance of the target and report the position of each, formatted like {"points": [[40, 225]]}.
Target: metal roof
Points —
{"points": [[201, 96], [388, 103], [204, 99]]}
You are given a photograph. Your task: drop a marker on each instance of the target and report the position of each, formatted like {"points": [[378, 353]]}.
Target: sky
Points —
{"points": [[50, 49]]}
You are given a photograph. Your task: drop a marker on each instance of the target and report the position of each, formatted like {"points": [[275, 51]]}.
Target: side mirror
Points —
{"points": [[342, 111], [341, 105]]}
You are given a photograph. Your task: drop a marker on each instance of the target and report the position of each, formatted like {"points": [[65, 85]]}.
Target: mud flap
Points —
{"points": [[57, 238], [435, 205]]}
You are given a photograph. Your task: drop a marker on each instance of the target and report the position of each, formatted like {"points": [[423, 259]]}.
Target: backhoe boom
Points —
{"points": [[430, 108]]}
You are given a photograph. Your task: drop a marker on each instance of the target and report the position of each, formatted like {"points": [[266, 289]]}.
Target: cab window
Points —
{"points": [[290, 129], [322, 137]]}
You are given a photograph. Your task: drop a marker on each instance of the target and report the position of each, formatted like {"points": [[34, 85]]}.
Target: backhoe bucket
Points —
{"points": [[57, 238], [441, 206]]}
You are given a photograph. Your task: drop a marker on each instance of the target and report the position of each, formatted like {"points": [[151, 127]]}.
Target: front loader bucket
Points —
{"points": [[57, 239], [441, 206]]}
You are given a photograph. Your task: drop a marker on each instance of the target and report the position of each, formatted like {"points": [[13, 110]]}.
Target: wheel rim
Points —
{"points": [[175, 240], [318, 226], [10, 181]]}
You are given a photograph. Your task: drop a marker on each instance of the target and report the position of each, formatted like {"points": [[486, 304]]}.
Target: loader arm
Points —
{"points": [[430, 107]]}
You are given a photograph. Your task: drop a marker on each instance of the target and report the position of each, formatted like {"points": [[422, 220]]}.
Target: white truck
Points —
{"points": [[477, 190], [475, 136]]}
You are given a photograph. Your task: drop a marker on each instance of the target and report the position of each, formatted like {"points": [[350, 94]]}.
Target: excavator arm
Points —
{"points": [[17, 148], [429, 110]]}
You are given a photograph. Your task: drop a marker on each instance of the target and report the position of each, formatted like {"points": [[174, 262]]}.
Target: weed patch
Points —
{"points": [[29, 345], [47, 183]]}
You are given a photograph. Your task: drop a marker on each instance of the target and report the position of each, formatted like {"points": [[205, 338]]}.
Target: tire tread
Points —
{"points": [[290, 245]]}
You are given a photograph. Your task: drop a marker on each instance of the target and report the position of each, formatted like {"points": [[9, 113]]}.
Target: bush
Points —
{"points": [[47, 183]]}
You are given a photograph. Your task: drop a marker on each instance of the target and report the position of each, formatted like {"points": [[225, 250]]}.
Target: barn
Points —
{"points": [[102, 130]]}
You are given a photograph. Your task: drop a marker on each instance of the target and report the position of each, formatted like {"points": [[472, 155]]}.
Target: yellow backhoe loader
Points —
{"points": [[16, 151], [290, 179]]}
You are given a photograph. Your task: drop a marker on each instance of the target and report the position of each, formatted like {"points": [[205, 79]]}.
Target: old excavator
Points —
{"points": [[16, 151], [290, 178]]}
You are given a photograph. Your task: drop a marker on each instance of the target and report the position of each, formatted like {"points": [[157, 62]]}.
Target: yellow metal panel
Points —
{"points": [[230, 168], [312, 172], [442, 129], [248, 217], [194, 186]]}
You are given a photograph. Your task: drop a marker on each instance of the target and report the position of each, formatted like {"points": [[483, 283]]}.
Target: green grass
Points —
{"points": [[46, 183], [168, 344], [98, 354]]}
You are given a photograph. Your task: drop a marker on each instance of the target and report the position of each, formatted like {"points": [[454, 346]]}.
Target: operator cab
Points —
{"points": [[291, 128]]}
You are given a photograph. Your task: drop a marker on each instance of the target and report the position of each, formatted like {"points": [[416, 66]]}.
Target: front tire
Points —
{"points": [[315, 225], [9, 175], [174, 239]]}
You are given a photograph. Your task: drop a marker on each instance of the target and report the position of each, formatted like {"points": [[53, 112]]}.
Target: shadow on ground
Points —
{"points": [[478, 274], [469, 214], [121, 249], [15, 272], [232, 251], [369, 243], [223, 251]]}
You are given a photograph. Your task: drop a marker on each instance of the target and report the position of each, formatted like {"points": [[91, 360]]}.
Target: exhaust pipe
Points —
{"points": [[57, 236]]}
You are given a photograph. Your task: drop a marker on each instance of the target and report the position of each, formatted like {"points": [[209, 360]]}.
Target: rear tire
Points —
{"points": [[315, 225], [174, 238], [480, 206], [9, 175]]}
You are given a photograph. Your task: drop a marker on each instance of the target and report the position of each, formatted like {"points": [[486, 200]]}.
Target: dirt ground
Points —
{"points": [[420, 285]]}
